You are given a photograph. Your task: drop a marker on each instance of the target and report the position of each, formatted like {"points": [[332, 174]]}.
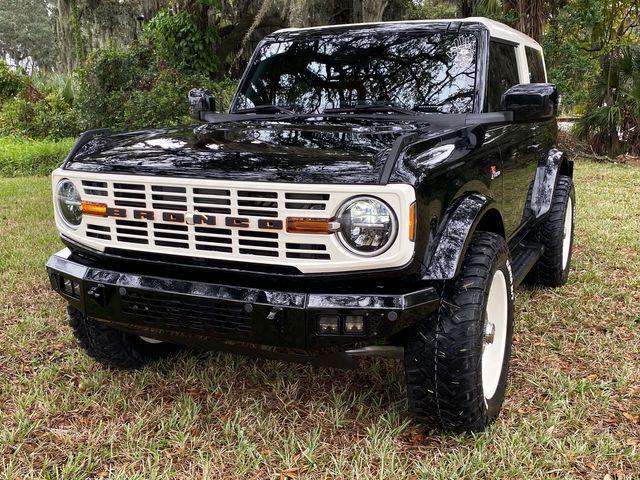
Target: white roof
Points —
{"points": [[496, 29]]}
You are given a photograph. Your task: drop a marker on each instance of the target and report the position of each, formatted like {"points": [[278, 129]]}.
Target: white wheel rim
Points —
{"points": [[566, 233], [151, 340], [497, 313]]}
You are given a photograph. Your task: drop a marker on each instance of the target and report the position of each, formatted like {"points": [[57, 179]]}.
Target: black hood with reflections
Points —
{"points": [[318, 151]]}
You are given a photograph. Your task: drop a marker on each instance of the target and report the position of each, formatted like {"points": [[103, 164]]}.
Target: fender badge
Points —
{"points": [[495, 173]]}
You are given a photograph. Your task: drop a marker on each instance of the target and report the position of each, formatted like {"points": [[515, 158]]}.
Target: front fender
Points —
{"points": [[443, 260]]}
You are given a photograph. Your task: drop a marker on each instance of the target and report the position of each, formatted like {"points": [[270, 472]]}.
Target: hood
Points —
{"points": [[344, 151]]}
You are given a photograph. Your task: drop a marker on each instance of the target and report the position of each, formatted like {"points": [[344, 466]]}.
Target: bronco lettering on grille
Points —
{"points": [[194, 218]]}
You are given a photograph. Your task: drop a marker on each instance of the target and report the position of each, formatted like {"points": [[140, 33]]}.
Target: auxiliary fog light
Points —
{"points": [[70, 287], [353, 324], [328, 325]]}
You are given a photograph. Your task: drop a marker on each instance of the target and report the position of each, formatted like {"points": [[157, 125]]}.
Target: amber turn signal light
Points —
{"points": [[95, 209], [412, 222], [312, 225]]}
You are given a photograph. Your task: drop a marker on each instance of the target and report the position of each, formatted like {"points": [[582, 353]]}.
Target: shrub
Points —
{"points": [[26, 112], [51, 117], [182, 42], [11, 83], [32, 157]]}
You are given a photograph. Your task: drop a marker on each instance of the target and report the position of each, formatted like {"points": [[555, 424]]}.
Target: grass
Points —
{"points": [[32, 157], [571, 412]]}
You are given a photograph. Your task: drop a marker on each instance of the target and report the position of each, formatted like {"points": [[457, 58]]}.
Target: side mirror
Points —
{"points": [[531, 102], [201, 100]]}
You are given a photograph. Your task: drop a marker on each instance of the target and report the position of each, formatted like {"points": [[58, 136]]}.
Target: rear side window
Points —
{"points": [[536, 66], [503, 73]]}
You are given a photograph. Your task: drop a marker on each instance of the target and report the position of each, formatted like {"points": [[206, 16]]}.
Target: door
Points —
{"points": [[520, 146]]}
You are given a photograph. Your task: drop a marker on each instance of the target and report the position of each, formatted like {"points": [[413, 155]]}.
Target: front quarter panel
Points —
{"points": [[443, 260], [459, 169]]}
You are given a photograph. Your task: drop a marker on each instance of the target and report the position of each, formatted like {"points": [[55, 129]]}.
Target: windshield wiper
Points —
{"points": [[266, 109], [371, 109]]}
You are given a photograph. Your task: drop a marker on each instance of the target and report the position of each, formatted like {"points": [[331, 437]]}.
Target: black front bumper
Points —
{"points": [[208, 314]]}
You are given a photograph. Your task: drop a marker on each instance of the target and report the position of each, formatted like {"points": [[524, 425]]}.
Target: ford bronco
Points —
{"points": [[373, 189]]}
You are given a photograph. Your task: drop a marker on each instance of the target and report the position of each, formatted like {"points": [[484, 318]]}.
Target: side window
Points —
{"points": [[536, 66], [503, 73]]}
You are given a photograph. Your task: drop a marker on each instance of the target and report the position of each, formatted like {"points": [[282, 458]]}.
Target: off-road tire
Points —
{"points": [[112, 347], [443, 356], [549, 270]]}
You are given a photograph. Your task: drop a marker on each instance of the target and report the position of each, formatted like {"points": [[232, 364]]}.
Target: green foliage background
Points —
{"points": [[129, 64]]}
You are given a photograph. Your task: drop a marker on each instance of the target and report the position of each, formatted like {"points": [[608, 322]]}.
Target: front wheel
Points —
{"points": [[115, 348], [457, 361]]}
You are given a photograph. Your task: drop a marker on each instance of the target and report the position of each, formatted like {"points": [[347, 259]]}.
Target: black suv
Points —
{"points": [[374, 189]]}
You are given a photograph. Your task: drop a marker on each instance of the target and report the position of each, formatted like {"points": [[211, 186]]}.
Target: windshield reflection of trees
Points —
{"points": [[430, 73]]}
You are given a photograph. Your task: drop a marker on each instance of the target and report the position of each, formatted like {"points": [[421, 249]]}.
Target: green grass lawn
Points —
{"points": [[571, 412]]}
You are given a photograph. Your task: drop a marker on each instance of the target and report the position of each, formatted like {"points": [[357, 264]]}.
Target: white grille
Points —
{"points": [[262, 208]]}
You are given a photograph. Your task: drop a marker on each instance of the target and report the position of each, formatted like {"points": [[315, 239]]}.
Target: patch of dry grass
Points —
{"points": [[572, 408]]}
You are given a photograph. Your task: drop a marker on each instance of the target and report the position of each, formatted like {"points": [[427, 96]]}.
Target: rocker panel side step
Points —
{"points": [[523, 257]]}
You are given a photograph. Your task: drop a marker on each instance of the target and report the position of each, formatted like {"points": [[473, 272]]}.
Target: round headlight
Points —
{"points": [[368, 226], [69, 203]]}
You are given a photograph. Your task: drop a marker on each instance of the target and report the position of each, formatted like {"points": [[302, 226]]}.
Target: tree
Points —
{"points": [[82, 26], [26, 33], [597, 39]]}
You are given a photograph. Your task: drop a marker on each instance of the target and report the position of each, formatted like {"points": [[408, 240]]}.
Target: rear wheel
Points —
{"points": [[556, 234], [457, 361], [113, 347]]}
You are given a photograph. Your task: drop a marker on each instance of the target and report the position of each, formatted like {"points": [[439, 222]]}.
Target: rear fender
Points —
{"points": [[444, 259], [547, 174]]}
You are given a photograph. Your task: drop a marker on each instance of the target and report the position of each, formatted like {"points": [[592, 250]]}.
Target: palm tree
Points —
{"points": [[612, 122]]}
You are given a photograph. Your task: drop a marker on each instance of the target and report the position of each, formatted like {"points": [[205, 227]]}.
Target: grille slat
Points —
{"points": [[124, 194], [255, 194], [306, 196], [211, 201], [101, 236], [253, 251], [172, 207], [100, 228], [91, 191], [305, 206], [305, 246], [257, 213], [309, 255], [129, 203], [165, 243], [131, 231], [132, 240], [201, 238], [258, 243], [168, 189], [128, 186]]}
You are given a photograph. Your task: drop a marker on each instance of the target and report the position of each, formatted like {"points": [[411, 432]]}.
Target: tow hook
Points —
{"points": [[97, 294], [276, 317]]}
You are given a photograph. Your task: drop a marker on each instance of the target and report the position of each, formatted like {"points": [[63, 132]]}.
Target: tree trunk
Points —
{"points": [[532, 15], [373, 10], [466, 8], [64, 35]]}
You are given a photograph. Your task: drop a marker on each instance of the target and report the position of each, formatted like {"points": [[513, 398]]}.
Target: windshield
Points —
{"points": [[433, 72]]}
